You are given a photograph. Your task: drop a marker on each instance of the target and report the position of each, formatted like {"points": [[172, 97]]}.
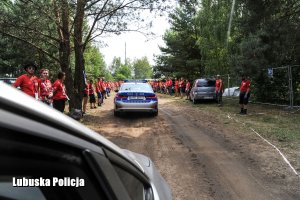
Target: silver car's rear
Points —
{"points": [[203, 89]]}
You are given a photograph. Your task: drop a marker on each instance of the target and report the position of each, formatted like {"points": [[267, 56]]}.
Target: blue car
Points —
{"points": [[136, 96]]}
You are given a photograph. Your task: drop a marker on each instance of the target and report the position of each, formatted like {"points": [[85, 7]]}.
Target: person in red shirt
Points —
{"points": [[170, 85], [98, 91], [187, 88], [28, 82], [108, 88], [161, 86], [165, 87], [219, 91], [92, 94], [59, 92], [85, 98], [244, 94], [103, 91], [176, 87], [181, 87], [45, 88]]}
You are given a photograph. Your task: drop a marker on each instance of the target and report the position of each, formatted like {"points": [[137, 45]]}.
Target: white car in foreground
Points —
{"points": [[48, 155]]}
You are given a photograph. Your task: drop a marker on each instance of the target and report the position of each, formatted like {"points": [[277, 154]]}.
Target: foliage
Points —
{"points": [[123, 72], [181, 55], [142, 68], [262, 34], [94, 62], [57, 32]]}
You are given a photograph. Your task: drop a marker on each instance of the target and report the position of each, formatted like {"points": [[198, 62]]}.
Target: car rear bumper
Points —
{"points": [[205, 96], [136, 107]]}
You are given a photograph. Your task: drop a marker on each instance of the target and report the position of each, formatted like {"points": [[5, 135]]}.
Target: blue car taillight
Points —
{"points": [[122, 96], [151, 96]]}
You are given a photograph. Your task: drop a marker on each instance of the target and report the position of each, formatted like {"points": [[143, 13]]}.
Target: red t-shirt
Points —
{"points": [[28, 85], [90, 89], [59, 91], [181, 84], [245, 85], [97, 87], [218, 85], [176, 84], [188, 85], [103, 85], [45, 88]]}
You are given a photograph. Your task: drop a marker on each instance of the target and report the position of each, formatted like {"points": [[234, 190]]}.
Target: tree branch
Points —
{"points": [[31, 44]]}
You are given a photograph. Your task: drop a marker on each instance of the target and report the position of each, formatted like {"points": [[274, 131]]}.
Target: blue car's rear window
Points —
{"points": [[136, 87]]}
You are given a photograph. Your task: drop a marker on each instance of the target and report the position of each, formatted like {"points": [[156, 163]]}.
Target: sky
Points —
{"points": [[137, 45]]}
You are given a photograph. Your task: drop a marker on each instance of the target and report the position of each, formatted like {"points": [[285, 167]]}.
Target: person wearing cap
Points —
{"points": [[219, 85], [28, 82]]}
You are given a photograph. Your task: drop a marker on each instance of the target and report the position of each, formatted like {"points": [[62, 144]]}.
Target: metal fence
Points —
{"points": [[277, 86]]}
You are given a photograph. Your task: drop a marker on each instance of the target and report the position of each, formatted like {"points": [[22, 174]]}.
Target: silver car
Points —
{"points": [[46, 155], [135, 96], [203, 89]]}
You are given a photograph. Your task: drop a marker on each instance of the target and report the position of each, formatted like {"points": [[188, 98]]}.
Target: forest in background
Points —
{"points": [[61, 34], [263, 34], [56, 34]]}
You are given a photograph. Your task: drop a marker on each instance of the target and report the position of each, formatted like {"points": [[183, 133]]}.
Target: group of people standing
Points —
{"points": [[55, 94], [183, 86], [243, 96], [180, 87], [101, 88], [41, 87]]}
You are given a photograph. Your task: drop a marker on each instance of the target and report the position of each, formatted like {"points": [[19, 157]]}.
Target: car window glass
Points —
{"points": [[38, 159], [133, 185], [206, 83], [7, 191], [136, 87]]}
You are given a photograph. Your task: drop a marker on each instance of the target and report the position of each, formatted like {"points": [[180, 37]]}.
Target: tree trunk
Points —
{"points": [[62, 20], [79, 83]]}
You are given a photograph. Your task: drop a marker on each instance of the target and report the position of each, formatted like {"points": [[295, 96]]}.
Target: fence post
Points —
{"points": [[291, 87], [228, 78]]}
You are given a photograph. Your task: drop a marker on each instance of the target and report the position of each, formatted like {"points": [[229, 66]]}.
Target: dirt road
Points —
{"points": [[200, 156]]}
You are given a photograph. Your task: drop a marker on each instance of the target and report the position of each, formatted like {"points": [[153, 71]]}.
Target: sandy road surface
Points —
{"points": [[199, 156]]}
